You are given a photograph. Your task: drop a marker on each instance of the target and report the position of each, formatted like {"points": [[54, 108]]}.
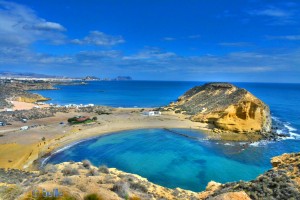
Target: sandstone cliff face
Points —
{"points": [[225, 106]]}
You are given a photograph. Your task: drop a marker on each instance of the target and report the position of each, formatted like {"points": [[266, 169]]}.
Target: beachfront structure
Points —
{"points": [[152, 113], [78, 119], [77, 106], [23, 128], [82, 118]]}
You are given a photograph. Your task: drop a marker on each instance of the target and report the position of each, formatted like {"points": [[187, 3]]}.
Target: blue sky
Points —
{"points": [[215, 40]]}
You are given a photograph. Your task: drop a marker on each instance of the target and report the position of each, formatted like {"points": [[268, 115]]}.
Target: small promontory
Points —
{"points": [[226, 107]]}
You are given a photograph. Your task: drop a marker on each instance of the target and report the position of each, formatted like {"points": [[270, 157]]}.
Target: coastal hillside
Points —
{"points": [[226, 107], [82, 180]]}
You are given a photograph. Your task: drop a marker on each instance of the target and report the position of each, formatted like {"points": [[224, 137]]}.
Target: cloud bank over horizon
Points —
{"points": [[255, 42]]}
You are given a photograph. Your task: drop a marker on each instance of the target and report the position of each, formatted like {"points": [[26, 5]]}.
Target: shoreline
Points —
{"points": [[63, 146], [39, 163], [29, 144]]}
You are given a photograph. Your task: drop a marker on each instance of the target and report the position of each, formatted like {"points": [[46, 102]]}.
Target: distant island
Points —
{"points": [[118, 78]]}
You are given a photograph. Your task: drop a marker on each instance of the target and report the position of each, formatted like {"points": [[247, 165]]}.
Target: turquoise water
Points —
{"points": [[172, 160]]}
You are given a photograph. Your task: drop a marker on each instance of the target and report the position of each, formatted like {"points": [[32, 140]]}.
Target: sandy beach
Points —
{"points": [[20, 148], [17, 105]]}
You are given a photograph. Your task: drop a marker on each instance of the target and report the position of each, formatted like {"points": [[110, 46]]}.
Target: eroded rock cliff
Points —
{"points": [[225, 106]]}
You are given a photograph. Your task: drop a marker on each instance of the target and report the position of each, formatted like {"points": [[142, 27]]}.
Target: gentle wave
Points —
{"points": [[285, 128], [260, 143], [44, 161]]}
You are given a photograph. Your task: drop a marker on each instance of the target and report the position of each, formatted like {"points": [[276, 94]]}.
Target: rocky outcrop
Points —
{"points": [[290, 163], [17, 92], [30, 98], [281, 182], [225, 106]]}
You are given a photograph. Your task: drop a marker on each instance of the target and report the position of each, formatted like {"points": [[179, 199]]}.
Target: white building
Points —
{"points": [[152, 113], [23, 128]]}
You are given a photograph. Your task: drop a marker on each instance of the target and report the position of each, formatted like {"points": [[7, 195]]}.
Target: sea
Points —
{"points": [[164, 156]]}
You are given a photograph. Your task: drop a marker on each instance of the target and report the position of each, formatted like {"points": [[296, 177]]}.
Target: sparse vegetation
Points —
{"points": [[10, 192], [93, 196], [93, 172], [69, 171], [49, 168], [86, 164], [82, 187], [121, 188], [103, 169], [67, 181], [138, 186], [271, 185]]}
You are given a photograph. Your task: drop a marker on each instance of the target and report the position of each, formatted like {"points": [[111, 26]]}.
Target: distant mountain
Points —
{"points": [[25, 75]]}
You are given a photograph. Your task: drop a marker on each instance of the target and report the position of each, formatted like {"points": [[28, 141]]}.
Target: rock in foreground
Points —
{"points": [[225, 106]]}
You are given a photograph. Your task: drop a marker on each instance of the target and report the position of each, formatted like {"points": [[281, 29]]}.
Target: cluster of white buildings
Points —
{"points": [[73, 105], [152, 113]]}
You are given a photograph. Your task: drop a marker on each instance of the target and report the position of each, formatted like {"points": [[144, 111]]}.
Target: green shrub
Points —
{"points": [[103, 169], [121, 188], [93, 172], [93, 196], [71, 120], [138, 186], [86, 164], [49, 168], [69, 171], [67, 181]]}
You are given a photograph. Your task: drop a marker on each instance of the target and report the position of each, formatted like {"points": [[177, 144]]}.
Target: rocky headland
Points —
{"points": [[226, 108], [17, 91]]}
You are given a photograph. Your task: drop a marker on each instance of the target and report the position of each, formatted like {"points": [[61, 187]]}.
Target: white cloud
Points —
{"points": [[271, 12], [154, 62], [285, 37], [169, 39], [235, 44], [100, 39], [150, 53], [46, 26], [194, 36], [274, 15], [19, 25]]}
